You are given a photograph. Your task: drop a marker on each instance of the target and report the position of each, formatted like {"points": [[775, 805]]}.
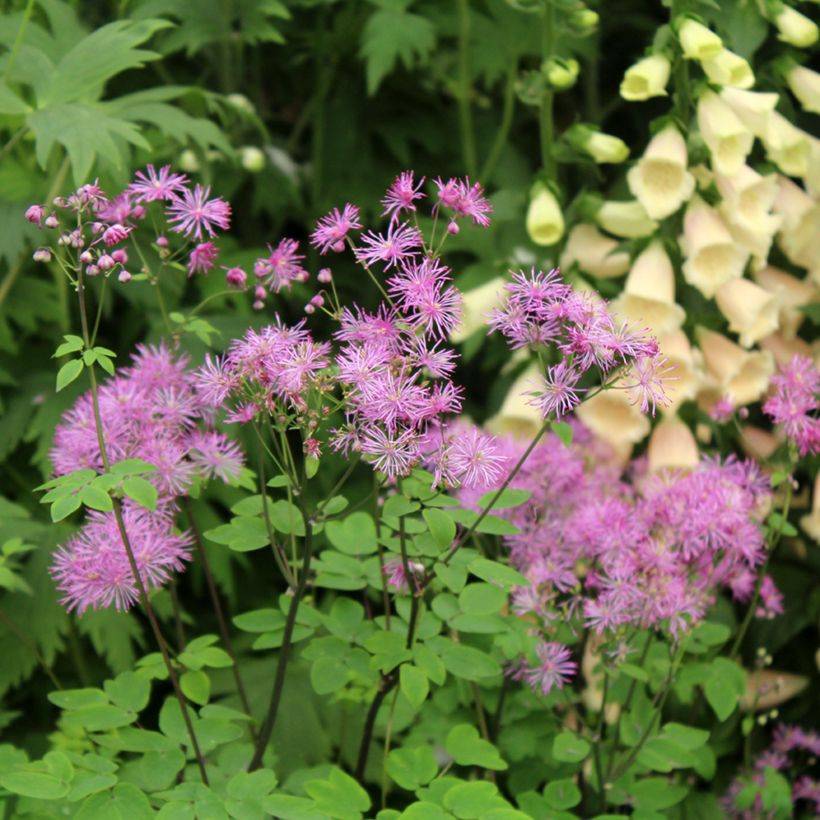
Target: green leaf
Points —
{"points": [[397, 505], [251, 785], [99, 717], [287, 518], [497, 573], [474, 799], [412, 768], [10, 103], [96, 499], [570, 748], [328, 675], [196, 685], [562, 794], [563, 431], [72, 344], [413, 684], [77, 698], [353, 535], [392, 34], [509, 498], [68, 373], [124, 802], [339, 795], [141, 491], [469, 663], [468, 749], [442, 527], [34, 784], [64, 506], [482, 599], [655, 793], [129, 690], [132, 466], [489, 524], [726, 683]]}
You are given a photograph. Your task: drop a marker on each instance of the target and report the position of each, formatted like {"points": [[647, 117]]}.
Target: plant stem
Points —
{"points": [[284, 654], [180, 629], [465, 114], [504, 127], [482, 723], [31, 646], [129, 551], [217, 605], [386, 683], [18, 40], [546, 120]]}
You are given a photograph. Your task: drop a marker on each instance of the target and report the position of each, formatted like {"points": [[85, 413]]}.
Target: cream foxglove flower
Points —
{"points": [[659, 179], [725, 135], [787, 147], [648, 297], [783, 350], [613, 417], [517, 416], [742, 375], [799, 236], [628, 220], [476, 304], [811, 522], [747, 202], [647, 78], [795, 28], [672, 447], [685, 368], [604, 148], [753, 108], [594, 253], [794, 293], [758, 443], [805, 85], [728, 68], [752, 312], [545, 222], [712, 255], [697, 41]]}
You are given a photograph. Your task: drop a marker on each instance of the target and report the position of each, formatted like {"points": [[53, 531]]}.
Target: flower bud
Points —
{"points": [[751, 311], [86, 257], [728, 68], [742, 375], [452, 227], [258, 304], [584, 20], [604, 148], [660, 179], [241, 102], [561, 74], [628, 220], [188, 161], [594, 253], [318, 300], [787, 147], [106, 262], [120, 256], [729, 141], [161, 241], [124, 276], [324, 276], [92, 270], [712, 256], [545, 222], [41, 255], [672, 447], [795, 28], [309, 309], [35, 215], [52, 221], [647, 78], [236, 277], [252, 158], [805, 85], [476, 305], [697, 41], [260, 292]]}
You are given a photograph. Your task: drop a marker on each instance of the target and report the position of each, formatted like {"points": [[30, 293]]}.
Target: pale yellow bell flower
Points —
{"points": [[767, 688], [517, 416], [476, 304], [712, 255], [805, 85], [795, 28], [742, 375], [697, 41], [811, 521], [615, 419], [604, 148], [794, 293], [684, 368], [783, 349], [648, 297], [628, 220], [726, 137], [753, 108], [594, 253], [660, 179], [752, 311], [545, 222], [729, 69], [646, 78], [672, 446], [787, 147], [799, 235], [758, 443]]}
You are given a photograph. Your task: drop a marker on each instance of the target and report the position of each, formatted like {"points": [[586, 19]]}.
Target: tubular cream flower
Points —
{"points": [[712, 256], [613, 417], [697, 41], [805, 85], [517, 416], [628, 220], [648, 297], [594, 253], [811, 522], [545, 222], [647, 78], [604, 148], [748, 199], [728, 68], [660, 180], [794, 293], [742, 375], [783, 350], [672, 447], [725, 135], [476, 304], [787, 147], [753, 108], [685, 374], [799, 236], [795, 28], [752, 311]]}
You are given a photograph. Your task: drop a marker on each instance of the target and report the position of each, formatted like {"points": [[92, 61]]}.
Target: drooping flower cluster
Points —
{"points": [[793, 401], [637, 550], [149, 411], [540, 310], [793, 753]]}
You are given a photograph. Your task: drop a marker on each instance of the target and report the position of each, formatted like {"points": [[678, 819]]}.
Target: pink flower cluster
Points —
{"points": [[794, 403], [540, 310], [150, 411], [792, 752]]}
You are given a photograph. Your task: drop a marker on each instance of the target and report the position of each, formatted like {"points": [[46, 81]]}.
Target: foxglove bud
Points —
{"points": [[545, 222], [795, 28], [697, 41], [647, 78]]}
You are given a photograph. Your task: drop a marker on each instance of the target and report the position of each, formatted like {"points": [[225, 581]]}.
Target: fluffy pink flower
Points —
{"points": [[557, 394], [402, 194], [400, 243], [202, 258], [554, 669], [193, 214], [282, 267], [151, 185], [332, 230]]}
